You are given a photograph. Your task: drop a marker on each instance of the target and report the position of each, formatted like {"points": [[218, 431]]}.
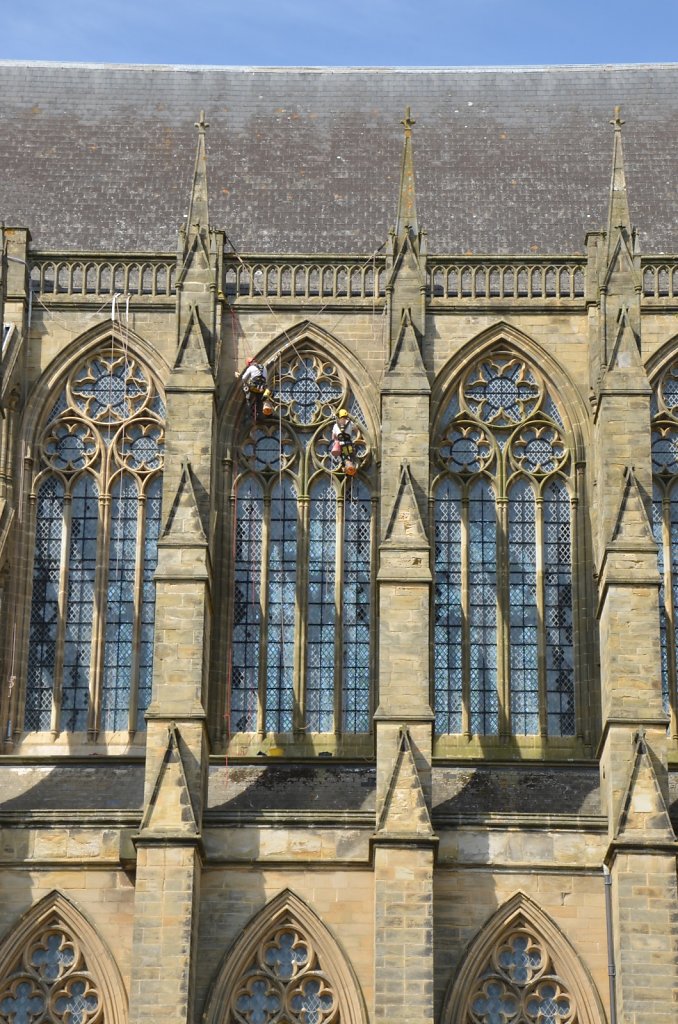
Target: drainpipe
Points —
{"points": [[611, 969]]}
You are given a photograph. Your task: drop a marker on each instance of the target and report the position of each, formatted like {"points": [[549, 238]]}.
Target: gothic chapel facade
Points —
{"points": [[283, 744]]}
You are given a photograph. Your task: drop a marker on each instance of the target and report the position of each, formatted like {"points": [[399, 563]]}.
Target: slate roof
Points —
{"points": [[98, 157]]}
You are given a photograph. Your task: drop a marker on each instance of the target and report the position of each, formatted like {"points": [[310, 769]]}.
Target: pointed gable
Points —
{"points": [[170, 808], [184, 523], [404, 811], [405, 526], [406, 356], [192, 354], [631, 525], [644, 815], [625, 353]]}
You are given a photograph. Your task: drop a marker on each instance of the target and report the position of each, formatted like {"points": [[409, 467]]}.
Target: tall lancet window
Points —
{"points": [[96, 501], [302, 604], [503, 621], [665, 521]]}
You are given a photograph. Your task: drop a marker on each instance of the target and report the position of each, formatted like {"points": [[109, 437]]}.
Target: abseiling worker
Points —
{"points": [[253, 381], [344, 436]]}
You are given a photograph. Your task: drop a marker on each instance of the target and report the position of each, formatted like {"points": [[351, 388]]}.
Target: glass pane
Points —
{"points": [[356, 609], [483, 609], [523, 619], [558, 611], [82, 559], [44, 606], [674, 571], [246, 607], [282, 569], [657, 529], [151, 533], [321, 617], [448, 631], [119, 635]]}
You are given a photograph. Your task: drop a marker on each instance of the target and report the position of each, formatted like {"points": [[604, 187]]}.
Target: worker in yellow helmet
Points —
{"points": [[344, 436]]}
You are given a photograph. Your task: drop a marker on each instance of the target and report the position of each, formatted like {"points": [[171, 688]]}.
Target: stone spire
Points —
{"points": [[198, 213], [406, 262], [618, 218], [406, 219]]}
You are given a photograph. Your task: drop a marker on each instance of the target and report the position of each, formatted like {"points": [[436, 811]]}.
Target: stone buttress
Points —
{"points": [[642, 850], [404, 845], [168, 845]]}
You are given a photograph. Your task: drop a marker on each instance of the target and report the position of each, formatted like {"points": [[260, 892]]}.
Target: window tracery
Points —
{"points": [[285, 982], [302, 601], [665, 525], [503, 659], [97, 498], [520, 985], [50, 981]]}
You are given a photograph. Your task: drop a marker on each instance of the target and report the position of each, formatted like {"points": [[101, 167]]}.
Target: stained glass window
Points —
{"points": [[665, 526], [520, 982], [97, 507], [51, 982], [302, 570], [285, 980], [503, 621]]}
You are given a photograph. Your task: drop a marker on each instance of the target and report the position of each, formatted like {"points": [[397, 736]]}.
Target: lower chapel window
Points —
{"points": [[502, 510], [285, 981], [302, 547], [519, 982], [97, 496], [50, 982], [665, 521]]}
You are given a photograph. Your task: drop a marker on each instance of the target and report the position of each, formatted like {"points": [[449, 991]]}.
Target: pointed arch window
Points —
{"points": [[96, 498], [520, 982], [302, 605], [284, 981], [55, 969], [51, 981], [665, 525], [503, 644]]}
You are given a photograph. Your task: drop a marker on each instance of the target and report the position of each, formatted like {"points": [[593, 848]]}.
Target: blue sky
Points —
{"points": [[340, 32]]}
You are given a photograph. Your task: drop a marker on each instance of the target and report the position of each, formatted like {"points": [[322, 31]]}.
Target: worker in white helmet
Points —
{"points": [[253, 381]]}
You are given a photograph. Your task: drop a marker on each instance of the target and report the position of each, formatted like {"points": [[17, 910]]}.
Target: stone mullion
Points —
{"points": [[503, 648], [541, 619], [220, 695], [670, 609], [7, 445], [300, 624], [61, 627], [340, 500], [466, 620], [579, 560], [21, 590], [138, 602], [99, 610], [374, 607], [263, 616]]}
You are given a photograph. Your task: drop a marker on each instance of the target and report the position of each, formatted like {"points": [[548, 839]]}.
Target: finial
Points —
{"points": [[408, 121], [617, 121], [201, 124]]}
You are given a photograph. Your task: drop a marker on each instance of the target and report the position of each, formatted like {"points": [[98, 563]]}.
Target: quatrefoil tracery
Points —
{"points": [[501, 419], [308, 390], [51, 983], [285, 984], [108, 417], [519, 984]]}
